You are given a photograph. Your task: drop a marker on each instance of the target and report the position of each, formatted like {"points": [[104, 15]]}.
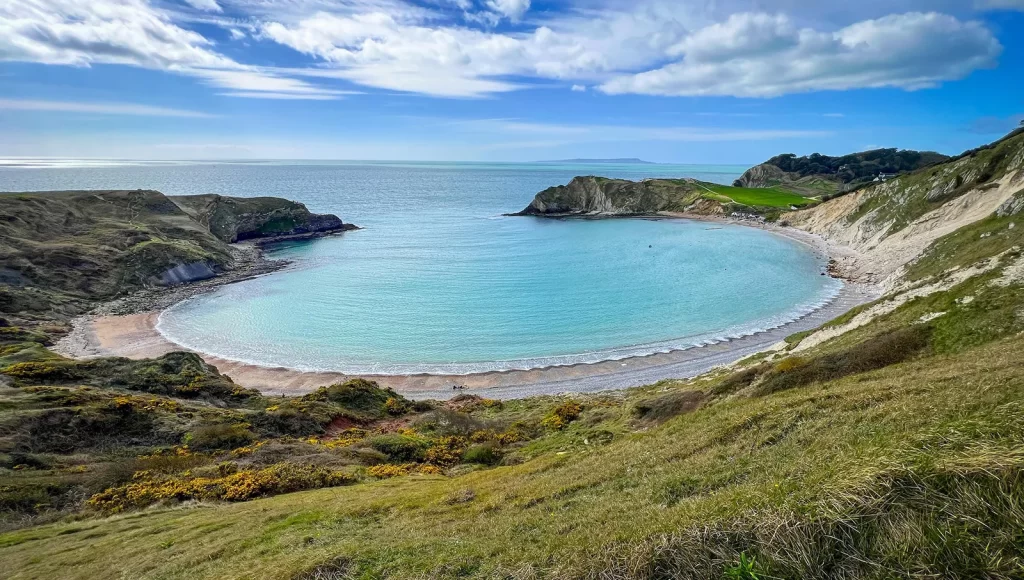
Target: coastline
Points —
{"points": [[127, 327]]}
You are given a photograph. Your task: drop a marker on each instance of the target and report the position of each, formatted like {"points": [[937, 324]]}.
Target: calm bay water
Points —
{"points": [[439, 281]]}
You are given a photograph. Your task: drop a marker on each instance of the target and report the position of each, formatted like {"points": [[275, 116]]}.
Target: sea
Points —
{"points": [[439, 280]]}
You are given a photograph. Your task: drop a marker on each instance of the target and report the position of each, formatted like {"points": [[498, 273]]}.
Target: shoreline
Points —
{"points": [[127, 327]]}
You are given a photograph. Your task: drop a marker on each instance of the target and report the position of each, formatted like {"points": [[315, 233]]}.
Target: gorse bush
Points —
{"points": [[562, 415], [388, 470], [445, 451], [148, 488]]}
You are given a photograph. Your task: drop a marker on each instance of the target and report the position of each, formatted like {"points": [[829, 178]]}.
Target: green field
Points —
{"points": [[759, 197]]}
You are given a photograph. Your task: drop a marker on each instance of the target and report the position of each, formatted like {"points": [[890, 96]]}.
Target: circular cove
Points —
{"points": [[489, 294]]}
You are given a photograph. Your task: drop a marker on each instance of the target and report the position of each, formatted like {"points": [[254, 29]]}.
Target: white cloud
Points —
{"points": [[513, 9], [207, 5], [579, 88], [97, 108], [124, 32], [760, 56], [746, 55], [655, 47]]}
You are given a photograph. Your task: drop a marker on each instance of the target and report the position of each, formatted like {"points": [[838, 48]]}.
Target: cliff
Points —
{"points": [[603, 197], [893, 224], [62, 251], [234, 219]]}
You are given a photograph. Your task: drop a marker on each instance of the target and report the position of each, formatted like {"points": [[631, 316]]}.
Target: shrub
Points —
{"points": [[446, 451], [220, 436], [562, 415], [58, 371], [388, 470], [739, 380], [395, 407], [399, 447], [664, 407], [67, 430], [874, 353], [449, 422], [145, 489], [288, 420], [365, 399], [483, 453], [789, 364]]}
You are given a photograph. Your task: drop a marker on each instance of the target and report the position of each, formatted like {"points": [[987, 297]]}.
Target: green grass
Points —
{"points": [[873, 472], [757, 197]]}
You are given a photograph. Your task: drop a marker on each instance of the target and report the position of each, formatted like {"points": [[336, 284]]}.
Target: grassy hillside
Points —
{"points": [[902, 200], [62, 252], [823, 175], [758, 197], [891, 450]]}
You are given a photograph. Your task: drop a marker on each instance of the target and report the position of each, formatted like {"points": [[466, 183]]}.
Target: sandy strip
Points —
{"points": [[135, 336]]}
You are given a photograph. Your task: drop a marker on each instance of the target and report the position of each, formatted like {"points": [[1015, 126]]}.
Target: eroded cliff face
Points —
{"points": [[601, 196], [763, 175], [891, 224], [234, 219]]}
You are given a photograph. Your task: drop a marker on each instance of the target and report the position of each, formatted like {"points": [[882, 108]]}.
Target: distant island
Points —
{"points": [[633, 160]]}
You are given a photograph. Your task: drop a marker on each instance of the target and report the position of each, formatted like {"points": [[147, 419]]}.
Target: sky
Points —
{"points": [[683, 81]]}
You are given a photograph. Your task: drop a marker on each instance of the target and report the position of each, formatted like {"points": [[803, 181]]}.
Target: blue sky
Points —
{"points": [[688, 81]]}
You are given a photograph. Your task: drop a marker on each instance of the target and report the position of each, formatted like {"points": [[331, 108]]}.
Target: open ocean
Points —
{"points": [[439, 281]]}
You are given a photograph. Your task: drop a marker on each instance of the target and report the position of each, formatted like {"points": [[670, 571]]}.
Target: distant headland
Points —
{"points": [[632, 160]]}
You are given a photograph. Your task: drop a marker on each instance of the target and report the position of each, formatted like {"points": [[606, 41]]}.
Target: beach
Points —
{"points": [[128, 328]]}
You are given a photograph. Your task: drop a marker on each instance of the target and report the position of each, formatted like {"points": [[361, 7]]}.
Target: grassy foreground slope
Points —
{"points": [[912, 470]]}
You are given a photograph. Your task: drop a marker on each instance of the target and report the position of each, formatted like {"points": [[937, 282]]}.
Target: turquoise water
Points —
{"points": [[439, 281]]}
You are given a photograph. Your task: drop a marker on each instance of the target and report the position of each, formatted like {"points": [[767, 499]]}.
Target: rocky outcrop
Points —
{"points": [[234, 219], [1012, 206], [184, 273], [599, 196], [764, 175]]}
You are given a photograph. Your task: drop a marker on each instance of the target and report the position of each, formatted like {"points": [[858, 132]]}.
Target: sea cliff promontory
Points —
{"points": [[603, 197], [61, 252]]}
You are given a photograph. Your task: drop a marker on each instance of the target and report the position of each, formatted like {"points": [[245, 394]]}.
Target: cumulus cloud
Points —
{"points": [[124, 32], [649, 47], [207, 5], [513, 9], [754, 55], [579, 88]]}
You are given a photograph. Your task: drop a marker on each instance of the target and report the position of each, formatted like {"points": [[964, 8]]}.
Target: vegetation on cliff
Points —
{"points": [[816, 174], [61, 252]]}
